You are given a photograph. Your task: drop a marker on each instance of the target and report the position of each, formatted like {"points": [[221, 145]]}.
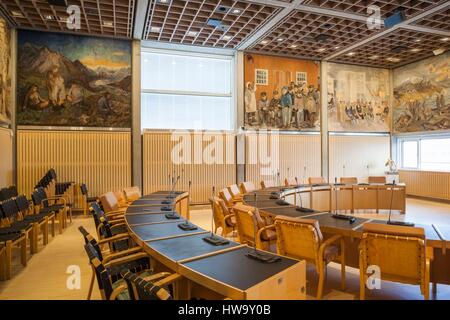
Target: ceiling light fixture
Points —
{"points": [[374, 57], [321, 50], [335, 48], [294, 46], [280, 39], [48, 17], [351, 54], [17, 14], [417, 40], [445, 39], [416, 50], [155, 29], [438, 51], [393, 59], [226, 37], [107, 24], [236, 11], [264, 42], [192, 33]]}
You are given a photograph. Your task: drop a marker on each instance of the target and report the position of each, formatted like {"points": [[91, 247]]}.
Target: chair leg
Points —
{"points": [[362, 285], [91, 286], [53, 226], [60, 222], [321, 282], [23, 247], [8, 259], [342, 264], [33, 238]]}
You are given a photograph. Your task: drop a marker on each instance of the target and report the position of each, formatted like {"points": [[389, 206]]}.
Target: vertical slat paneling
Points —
{"points": [[100, 159], [431, 184], [293, 155], [356, 153], [158, 163]]}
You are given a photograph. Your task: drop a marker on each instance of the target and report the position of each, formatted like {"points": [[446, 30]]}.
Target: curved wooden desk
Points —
{"points": [[437, 236], [209, 271]]}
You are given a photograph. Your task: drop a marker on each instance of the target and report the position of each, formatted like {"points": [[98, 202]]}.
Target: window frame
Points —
{"points": [[220, 56], [266, 72]]}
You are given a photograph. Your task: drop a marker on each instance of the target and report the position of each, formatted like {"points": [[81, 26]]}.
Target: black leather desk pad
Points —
{"points": [[326, 220], [161, 230], [141, 202], [149, 218], [288, 211], [146, 209], [265, 203], [260, 197], [167, 192], [187, 247], [235, 269]]}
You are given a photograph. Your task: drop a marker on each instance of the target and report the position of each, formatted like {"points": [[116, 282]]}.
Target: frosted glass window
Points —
{"points": [[410, 154], [185, 91], [435, 154]]}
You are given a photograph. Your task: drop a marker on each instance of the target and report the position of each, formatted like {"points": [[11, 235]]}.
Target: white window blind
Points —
{"points": [[186, 91]]}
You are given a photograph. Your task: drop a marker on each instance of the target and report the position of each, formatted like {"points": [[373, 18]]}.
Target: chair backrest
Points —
{"points": [[101, 273], [88, 238], [316, 180], [39, 197], [349, 180], [109, 202], [217, 212], [247, 186], [84, 190], [377, 179], [248, 221], [267, 184], [121, 199], [8, 193], [132, 193], [234, 190], [226, 196], [22, 203], [298, 238], [290, 181], [143, 289], [9, 209], [399, 251], [97, 212]]}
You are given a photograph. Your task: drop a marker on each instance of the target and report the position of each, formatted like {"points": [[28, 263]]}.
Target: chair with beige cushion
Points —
{"points": [[316, 180], [290, 181], [302, 239], [247, 219], [235, 192], [110, 203], [247, 187], [348, 180], [132, 193], [267, 184], [226, 196], [400, 252], [121, 199], [223, 218], [377, 179]]}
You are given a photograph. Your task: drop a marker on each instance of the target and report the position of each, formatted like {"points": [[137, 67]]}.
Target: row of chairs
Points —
{"points": [[400, 252], [121, 268], [293, 181]]}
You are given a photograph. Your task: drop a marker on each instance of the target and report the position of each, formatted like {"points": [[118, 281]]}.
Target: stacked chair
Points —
{"points": [[86, 198]]}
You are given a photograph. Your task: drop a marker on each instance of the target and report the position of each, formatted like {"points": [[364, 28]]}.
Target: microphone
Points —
{"points": [[301, 209], [278, 177], [304, 174], [396, 223], [213, 239], [335, 195], [171, 196], [288, 172]]}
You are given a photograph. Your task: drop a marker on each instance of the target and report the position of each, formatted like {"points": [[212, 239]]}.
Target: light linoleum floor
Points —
{"points": [[46, 274]]}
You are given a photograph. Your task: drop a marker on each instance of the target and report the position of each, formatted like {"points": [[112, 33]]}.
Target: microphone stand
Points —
{"points": [[337, 215], [396, 223], [301, 209], [213, 239]]}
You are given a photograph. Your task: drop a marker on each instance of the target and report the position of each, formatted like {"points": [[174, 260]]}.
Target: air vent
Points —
{"points": [[222, 9], [60, 3], [213, 22], [322, 38], [399, 49]]}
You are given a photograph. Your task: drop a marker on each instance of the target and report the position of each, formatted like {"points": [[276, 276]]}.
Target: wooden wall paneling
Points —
{"points": [[431, 184], [100, 159]]}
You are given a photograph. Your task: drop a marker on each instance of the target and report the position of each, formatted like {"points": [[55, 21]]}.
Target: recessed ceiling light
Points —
{"points": [[393, 59], [351, 54], [280, 39], [192, 33], [294, 46], [155, 29], [374, 57], [17, 14], [107, 23], [445, 39], [226, 37], [164, 1], [438, 51], [335, 48], [236, 11], [417, 40], [416, 50], [264, 42], [48, 17], [321, 49]]}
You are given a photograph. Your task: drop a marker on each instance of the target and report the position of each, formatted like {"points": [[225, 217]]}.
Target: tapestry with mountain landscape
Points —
{"points": [[71, 80], [422, 95]]}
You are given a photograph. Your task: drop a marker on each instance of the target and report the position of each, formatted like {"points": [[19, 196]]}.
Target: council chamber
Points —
{"points": [[224, 150]]}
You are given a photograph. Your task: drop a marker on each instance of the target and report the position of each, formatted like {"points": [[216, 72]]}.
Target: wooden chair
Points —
{"points": [[400, 253], [247, 187], [107, 225], [2, 262], [252, 226], [267, 184], [235, 192], [290, 181], [348, 180], [110, 203], [132, 194], [142, 289], [222, 217], [86, 198], [226, 196], [42, 221], [302, 239], [42, 206], [377, 179], [316, 180], [121, 199]]}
